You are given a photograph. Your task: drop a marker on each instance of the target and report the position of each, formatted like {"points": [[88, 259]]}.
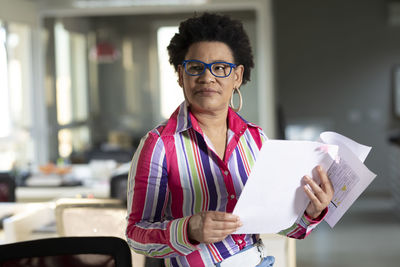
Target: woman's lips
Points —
{"points": [[206, 91]]}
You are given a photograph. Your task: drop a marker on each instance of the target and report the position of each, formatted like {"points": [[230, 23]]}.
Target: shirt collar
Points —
{"points": [[182, 119]]}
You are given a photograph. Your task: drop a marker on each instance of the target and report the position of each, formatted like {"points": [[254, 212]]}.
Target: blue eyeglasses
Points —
{"points": [[219, 69]]}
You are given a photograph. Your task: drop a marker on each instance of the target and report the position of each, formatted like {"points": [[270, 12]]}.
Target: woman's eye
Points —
{"points": [[196, 68], [221, 68]]}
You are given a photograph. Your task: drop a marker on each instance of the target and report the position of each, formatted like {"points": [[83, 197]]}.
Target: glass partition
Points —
{"points": [[71, 90], [16, 142], [170, 92]]}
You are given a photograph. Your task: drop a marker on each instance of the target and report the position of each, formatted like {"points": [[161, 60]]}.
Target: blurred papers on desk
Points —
{"points": [[72, 175], [44, 180]]}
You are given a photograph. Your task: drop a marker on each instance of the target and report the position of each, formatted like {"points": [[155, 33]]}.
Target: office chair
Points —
{"points": [[67, 252], [118, 187], [7, 188], [90, 217], [93, 217]]}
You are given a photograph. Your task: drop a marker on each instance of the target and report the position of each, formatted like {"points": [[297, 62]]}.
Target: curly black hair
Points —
{"points": [[212, 27]]}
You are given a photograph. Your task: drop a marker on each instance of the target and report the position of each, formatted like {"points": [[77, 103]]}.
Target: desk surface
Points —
{"points": [[97, 188], [27, 222], [35, 194]]}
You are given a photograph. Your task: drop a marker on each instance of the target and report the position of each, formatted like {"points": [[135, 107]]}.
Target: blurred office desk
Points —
{"points": [[82, 180], [64, 217], [90, 217], [26, 221], [39, 194]]}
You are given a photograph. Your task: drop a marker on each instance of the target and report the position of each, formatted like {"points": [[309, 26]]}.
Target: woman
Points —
{"points": [[188, 173]]}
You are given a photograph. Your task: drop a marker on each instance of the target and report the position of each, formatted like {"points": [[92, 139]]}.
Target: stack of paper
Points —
{"points": [[350, 177], [273, 197]]}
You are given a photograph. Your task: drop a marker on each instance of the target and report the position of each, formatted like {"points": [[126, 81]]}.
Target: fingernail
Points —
{"points": [[319, 168]]}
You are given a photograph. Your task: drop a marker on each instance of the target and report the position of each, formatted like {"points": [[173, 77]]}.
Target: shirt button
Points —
{"points": [[232, 196], [240, 241], [226, 172]]}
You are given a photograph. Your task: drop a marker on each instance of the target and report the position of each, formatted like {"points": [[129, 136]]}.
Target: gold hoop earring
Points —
{"points": [[240, 100]]}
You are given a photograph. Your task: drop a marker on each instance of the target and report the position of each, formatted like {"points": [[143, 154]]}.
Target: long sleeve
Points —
{"points": [[149, 229], [303, 226]]}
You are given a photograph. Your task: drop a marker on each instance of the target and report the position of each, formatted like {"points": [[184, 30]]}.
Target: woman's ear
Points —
{"points": [[180, 75], [238, 71]]}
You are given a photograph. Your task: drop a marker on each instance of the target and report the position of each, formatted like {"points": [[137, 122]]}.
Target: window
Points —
{"points": [[71, 90], [74, 139], [71, 71], [5, 119], [171, 94], [16, 142]]}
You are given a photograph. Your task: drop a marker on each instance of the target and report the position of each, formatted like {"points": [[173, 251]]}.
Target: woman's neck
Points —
{"points": [[212, 122], [215, 127]]}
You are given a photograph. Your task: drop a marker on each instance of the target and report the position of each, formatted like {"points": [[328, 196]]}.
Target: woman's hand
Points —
{"points": [[212, 226], [321, 195]]}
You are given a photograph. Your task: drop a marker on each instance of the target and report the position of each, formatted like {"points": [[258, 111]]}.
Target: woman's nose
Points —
{"points": [[207, 76]]}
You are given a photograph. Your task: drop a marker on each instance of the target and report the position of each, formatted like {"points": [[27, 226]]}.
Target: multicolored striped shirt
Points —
{"points": [[176, 173]]}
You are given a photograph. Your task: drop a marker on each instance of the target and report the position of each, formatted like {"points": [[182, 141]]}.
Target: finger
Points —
{"points": [[220, 225], [313, 198], [223, 216], [221, 233], [323, 176], [218, 235], [211, 236], [322, 196], [326, 183], [313, 185]]}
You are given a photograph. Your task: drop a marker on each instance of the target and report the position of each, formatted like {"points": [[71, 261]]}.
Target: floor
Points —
{"points": [[367, 235]]}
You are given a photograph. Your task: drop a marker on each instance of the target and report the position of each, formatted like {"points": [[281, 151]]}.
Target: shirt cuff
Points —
{"points": [[315, 220], [309, 224], [178, 236]]}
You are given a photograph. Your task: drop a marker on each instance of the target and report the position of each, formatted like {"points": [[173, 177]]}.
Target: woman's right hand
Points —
{"points": [[212, 226]]}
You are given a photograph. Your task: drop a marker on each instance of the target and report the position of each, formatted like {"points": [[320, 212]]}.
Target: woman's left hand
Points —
{"points": [[320, 196]]}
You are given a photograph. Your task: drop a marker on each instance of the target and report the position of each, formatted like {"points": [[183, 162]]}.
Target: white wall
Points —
{"points": [[28, 12], [19, 11], [334, 64]]}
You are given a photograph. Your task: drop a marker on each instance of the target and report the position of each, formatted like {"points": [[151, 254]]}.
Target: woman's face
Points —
{"points": [[207, 93]]}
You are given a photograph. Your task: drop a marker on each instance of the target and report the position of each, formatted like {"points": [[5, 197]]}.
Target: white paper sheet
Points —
{"points": [[273, 196], [350, 177], [351, 147]]}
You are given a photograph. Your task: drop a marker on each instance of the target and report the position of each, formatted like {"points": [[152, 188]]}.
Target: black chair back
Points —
{"points": [[80, 251], [7, 188], [118, 187]]}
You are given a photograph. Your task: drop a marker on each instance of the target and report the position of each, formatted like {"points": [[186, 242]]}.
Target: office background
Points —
{"points": [[320, 65]]}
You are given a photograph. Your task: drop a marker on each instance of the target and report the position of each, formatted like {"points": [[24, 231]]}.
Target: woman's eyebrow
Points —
{"points": [[214, 61]]}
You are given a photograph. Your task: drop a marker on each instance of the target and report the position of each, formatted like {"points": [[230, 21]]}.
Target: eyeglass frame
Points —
{"points": [[208, 66]]}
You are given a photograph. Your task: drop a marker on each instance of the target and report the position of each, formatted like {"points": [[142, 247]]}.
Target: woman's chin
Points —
{"points": [[208, 107]]}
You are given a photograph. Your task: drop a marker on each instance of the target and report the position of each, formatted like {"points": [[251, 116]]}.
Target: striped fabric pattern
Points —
{"points": [[175, 173]]}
